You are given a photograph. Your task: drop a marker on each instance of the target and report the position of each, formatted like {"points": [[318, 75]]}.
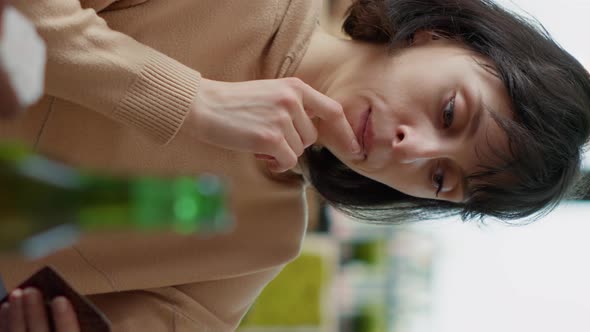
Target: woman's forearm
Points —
{"points": [[109, 72]]}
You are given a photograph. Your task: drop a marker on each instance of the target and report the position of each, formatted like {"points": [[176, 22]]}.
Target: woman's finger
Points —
{"points": [[285, 158], [300, 120], [4, 316], [307, 131], [17, 313], [64, 315], [293, 138], [331, 113], [35, 313]]}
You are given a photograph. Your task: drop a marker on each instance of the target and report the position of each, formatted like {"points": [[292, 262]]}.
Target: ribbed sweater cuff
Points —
{"points": [[158, 101]]}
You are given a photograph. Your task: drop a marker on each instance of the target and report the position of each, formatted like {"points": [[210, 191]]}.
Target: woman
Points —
{"points": [[434, 108]]}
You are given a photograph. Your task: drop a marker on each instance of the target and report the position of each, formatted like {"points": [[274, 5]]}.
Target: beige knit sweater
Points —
{"points": [[120, 78]]}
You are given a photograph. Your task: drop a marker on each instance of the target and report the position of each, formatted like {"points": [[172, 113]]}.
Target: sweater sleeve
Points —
{"points": [[217, 305], [109, 72]]}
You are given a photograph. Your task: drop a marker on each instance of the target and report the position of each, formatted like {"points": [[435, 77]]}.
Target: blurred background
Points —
{"points": [[444, 275]]}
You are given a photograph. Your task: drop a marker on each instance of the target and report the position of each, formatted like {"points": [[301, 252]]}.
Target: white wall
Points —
{"points": [[567, 21], [514, 279]]}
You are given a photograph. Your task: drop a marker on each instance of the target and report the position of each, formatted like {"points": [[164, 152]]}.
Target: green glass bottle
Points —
{"points": [[38, 195]]}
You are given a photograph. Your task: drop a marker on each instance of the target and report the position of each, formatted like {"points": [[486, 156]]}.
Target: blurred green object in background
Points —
{"points": [[371, 318], [370, 252], [37, 194], [293, 298]]}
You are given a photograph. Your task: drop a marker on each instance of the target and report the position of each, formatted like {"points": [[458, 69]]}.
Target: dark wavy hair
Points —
{"points": [[550, 93]]}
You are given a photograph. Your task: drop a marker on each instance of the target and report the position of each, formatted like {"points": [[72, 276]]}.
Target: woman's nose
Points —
{"points": [[410, 145]]}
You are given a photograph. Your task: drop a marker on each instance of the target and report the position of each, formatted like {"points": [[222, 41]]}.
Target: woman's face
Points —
{"points": [[422, 117]]}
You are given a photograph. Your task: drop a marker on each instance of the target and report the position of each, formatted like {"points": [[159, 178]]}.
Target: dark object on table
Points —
{"points": [[51, 285]]}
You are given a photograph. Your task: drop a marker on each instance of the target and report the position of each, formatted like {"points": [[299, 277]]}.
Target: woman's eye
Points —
{"points": [[449, 114], [438, 180]]}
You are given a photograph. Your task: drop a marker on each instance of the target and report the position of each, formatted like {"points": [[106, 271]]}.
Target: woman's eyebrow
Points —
{"points": [[476, 109], [465, 185]]}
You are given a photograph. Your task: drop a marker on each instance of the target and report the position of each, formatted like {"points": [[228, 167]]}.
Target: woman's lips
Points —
{"points": [[367, 141], [364, 132], [361, 127]]}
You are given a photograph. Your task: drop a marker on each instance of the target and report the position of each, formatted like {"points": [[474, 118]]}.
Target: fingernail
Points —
{"points": [[16, 295], [59, 304], [356, 147], [29, 296], [5, 306]]}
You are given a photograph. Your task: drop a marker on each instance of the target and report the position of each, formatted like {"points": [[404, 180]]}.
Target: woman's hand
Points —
{"points": [[25, 312], [270, 118]]}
